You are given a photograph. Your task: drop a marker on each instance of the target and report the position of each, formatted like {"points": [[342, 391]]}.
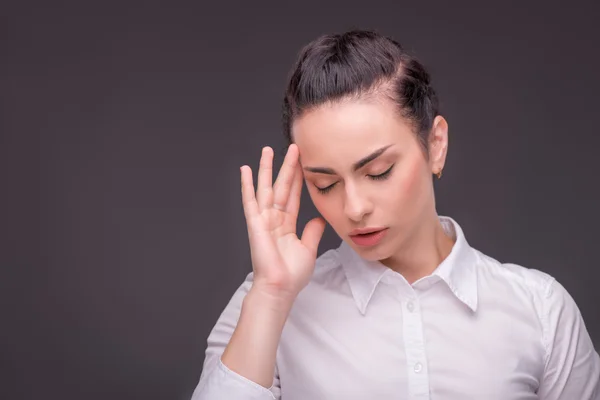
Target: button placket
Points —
{"points": [[414, 344]]}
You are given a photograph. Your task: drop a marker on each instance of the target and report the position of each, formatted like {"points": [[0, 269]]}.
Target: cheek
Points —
{"points": [[321, 203], [408, 189]]}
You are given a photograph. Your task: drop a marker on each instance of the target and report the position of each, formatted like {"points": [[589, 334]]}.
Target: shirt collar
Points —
{"points": [[457, 270]]}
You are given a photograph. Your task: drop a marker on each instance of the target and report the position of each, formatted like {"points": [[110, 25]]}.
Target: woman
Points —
{"points": [[404, 308]]}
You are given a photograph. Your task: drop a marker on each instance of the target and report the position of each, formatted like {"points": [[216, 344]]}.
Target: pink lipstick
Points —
{"points": [[368, 237]]}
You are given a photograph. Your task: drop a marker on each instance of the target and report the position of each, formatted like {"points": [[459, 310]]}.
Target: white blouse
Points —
{"points": [[474, 329]]}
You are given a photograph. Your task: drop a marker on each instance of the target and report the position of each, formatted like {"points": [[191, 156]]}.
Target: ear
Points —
{"points": [[438, 144]]}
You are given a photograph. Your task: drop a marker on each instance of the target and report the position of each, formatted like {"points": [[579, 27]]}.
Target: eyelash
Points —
{"points": [[383, 175], [380, 177]]}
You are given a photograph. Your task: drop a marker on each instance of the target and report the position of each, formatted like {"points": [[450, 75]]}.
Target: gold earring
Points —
{"points": [[439, 174]]}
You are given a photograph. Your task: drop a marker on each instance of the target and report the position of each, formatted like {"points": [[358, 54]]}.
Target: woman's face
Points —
{"points": [[365, 170]]}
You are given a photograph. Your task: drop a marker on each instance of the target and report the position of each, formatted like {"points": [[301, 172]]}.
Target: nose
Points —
{"points": [[356, 205]]}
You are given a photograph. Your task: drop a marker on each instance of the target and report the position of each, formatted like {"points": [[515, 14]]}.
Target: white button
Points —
{"points": [[410, 306], [418, 367]]}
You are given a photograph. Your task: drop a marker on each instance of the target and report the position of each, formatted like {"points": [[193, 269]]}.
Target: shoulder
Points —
{"points": [[534, 281], [519, 288], [564, 335], [544, 292]]}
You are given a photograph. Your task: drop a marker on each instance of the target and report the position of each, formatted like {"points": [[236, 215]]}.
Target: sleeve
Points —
{"points": [[217, 382], [572, 369]]}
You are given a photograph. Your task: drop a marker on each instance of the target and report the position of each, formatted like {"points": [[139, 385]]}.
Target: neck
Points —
{"points": [[421, 255]]}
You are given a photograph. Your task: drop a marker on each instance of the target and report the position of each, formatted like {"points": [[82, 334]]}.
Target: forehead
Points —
{"points": [[345, 131]]}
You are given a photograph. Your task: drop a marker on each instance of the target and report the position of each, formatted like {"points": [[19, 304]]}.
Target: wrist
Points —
{"points": [[269, 300]]}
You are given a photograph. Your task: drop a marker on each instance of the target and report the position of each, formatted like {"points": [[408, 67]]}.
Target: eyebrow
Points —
{"points": [[355, 167]]}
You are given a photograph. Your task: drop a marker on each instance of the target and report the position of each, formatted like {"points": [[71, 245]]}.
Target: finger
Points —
{"points": [[264, 190], [248, 198], [293, 203], [283, 183], [312, 234]]}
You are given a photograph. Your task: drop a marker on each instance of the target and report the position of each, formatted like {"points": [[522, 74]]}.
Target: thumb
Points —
{"points": [[312, 234]]}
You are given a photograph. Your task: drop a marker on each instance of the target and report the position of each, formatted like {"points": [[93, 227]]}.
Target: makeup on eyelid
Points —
{"points": [[324, 188]]}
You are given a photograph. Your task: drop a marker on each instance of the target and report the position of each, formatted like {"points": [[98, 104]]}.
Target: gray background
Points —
{"points": [[123, 127]]}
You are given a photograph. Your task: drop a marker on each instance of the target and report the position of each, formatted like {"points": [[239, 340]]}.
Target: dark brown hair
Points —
{"points": [[360, 63]]}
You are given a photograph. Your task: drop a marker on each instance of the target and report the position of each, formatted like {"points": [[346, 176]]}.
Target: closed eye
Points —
{"points": [[325, 189], [383, 175]]}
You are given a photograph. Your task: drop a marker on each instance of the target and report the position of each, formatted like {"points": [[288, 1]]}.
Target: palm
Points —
{"points": [[281, 261]]}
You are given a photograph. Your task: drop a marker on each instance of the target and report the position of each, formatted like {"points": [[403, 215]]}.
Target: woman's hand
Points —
{"points": [[282, 263]]}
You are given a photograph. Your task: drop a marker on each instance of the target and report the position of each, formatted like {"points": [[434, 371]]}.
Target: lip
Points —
{"points": [[364, 231], [368, 237]]}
